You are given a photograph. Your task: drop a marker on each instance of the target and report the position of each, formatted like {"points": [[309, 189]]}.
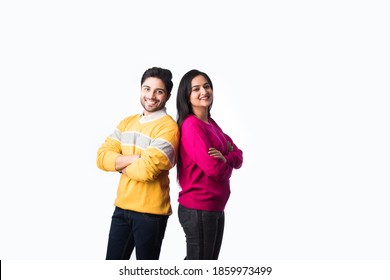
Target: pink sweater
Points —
{"points": [[204, 180]]}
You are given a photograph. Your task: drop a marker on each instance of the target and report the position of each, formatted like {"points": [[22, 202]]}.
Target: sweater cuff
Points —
{"points": [[110, 162], [229, 159]]}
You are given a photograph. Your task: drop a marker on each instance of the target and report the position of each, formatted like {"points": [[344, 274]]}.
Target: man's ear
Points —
{"points": [[169, 96]]}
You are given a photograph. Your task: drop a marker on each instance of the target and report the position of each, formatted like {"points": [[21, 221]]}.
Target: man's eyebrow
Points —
{"points": [[146, 86], [161, 89]]}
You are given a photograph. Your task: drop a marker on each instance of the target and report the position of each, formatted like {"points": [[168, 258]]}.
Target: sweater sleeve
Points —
{"points": [[196, 142], [235, 157], [159, 156], [109, 151]]}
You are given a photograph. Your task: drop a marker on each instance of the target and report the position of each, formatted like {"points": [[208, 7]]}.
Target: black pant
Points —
{"points": [[203, 231], [131, 229]]}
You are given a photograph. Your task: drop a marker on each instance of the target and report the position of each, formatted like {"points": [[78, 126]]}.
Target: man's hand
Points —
{"points": [[123, 161]]}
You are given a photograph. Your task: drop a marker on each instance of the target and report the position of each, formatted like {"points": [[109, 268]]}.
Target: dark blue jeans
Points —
{"points": [[131, 229], [203, 231]]}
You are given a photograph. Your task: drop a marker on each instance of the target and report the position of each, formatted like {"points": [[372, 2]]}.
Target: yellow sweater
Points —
{"points": [[145, 188]]}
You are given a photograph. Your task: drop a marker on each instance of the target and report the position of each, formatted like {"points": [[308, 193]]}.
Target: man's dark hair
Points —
{"points": [[163, 74]]}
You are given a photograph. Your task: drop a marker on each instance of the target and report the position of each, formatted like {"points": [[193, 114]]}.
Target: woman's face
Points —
{"points": [[201, 93]]}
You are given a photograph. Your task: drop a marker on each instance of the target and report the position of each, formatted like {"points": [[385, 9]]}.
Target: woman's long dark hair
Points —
{"points": [[183, 104]]}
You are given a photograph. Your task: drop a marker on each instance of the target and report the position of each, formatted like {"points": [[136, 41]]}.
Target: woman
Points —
{"points": [[207, 157]]}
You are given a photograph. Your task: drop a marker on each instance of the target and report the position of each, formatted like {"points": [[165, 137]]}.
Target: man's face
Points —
{"points": [[153, 95]]}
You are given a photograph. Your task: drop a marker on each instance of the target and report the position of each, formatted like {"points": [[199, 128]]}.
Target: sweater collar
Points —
{"points": [[153, 116]]}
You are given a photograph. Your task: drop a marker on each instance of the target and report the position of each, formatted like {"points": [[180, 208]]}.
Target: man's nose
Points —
{"points": [[150, 94]]}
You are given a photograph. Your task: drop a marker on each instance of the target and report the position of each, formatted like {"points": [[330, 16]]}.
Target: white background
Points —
{"points": [[302, 87]]}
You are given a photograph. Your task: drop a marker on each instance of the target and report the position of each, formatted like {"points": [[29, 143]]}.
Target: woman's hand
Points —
{"points": [[230, 147], [217, 154]]}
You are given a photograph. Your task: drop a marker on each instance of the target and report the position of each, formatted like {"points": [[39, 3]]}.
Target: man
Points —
{"points": [[143, 148]]}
